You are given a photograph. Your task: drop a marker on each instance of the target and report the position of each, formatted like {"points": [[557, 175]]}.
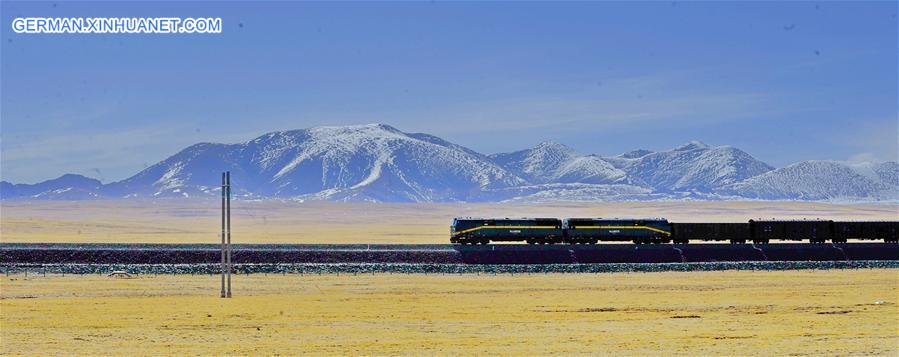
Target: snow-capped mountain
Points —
{"points": [[694, 166], [364, 162], [551, 162], [822, 180], [377, 162]]}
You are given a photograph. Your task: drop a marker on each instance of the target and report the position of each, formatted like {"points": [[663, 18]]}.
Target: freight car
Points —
{"points": [[815, 231], [875, 230], [659, 230], [710, 232]]}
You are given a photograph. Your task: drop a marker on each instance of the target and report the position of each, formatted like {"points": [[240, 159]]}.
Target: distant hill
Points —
{"points": [[694, 166], [551, 162], [65, 187], [822, 180]]}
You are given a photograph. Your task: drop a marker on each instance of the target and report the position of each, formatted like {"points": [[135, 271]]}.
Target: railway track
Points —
{"points": [[58, 253]]}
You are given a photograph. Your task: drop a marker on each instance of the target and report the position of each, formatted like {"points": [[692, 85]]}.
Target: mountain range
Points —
{"points": [[380, 163]]}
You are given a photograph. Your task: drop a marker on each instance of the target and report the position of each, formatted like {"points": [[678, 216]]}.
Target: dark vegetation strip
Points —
{"points": [[444, 254], [369, 268]]}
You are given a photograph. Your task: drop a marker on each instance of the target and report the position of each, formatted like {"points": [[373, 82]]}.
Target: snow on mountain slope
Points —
{"points": [[579, 192], [65, 187], [886, 173], [590, 169], [551, 162], [538, 164], [694, 166], [362, 162], [822, 180], [575, 192], [193, 171], [635, 154]]}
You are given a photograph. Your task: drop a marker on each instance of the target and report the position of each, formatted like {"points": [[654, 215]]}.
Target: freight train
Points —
{"points": [[659, 230]]}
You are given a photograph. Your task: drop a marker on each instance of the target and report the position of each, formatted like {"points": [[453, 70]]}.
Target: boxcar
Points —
{"points": [[592, 230], [485, 230], [815, 231], [888, 231], [734, 232], [845, 230]]}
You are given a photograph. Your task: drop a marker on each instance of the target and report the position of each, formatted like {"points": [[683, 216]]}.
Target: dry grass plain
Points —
{"points": [[197, 221], [834, 312]]}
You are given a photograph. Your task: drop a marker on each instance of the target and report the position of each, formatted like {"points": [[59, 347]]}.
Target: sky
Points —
{"points": [[785, 82]]}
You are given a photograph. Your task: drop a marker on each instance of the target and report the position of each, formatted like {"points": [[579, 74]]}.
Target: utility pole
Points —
{"points": [[226, 234], [228, 179], [223, 235]]}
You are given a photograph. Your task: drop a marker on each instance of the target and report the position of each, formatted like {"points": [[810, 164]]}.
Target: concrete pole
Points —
{"points": [[228, 176], [223, 234]]}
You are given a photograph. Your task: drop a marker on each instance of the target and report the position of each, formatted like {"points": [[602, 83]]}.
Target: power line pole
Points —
{"points": [[223, 235], [228, 179]]}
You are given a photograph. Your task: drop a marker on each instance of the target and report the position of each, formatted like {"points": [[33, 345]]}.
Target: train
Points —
{"points": [[471, 231]]}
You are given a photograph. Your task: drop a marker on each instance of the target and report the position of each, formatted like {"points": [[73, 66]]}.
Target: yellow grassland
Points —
{"points": [[832, 312], [197, 220]]}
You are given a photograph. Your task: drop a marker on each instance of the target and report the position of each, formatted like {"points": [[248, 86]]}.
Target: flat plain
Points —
{"points": [[825, 312], [198, 220], [815, 312]]}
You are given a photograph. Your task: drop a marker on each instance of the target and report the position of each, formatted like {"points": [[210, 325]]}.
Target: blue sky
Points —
{"points": [[784, 81]]}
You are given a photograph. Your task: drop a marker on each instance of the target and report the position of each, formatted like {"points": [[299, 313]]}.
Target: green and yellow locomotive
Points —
{"points": [[592, 230], [485, 230], [554, 230]]}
